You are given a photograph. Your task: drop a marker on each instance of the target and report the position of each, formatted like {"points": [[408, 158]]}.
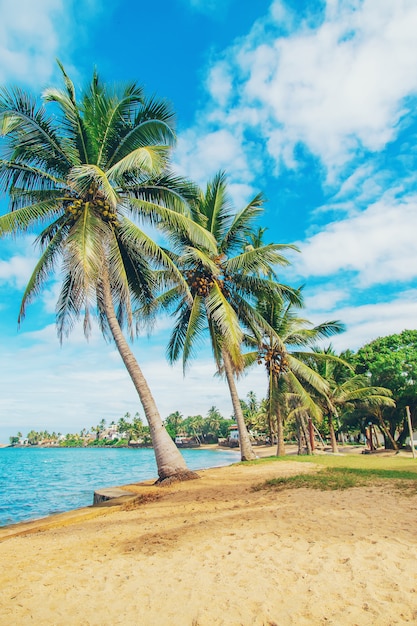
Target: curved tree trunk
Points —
{"points": [[385, 430], [304, 430], [333, 441], [169, 460], [246, 451]]}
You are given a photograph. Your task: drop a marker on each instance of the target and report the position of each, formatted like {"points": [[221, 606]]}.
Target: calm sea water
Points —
{"points": [[35, 482]]}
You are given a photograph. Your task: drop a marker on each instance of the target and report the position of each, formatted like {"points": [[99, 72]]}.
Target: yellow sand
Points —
{"points": [[214, 552]]}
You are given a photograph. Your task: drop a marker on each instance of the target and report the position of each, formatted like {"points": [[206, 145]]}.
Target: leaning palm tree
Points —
{"points": [[346, 390], [225, 284], [285, 350], [82, 178]]}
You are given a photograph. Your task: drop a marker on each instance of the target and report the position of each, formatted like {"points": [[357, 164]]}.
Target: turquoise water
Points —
{"points": [[35, 482]]}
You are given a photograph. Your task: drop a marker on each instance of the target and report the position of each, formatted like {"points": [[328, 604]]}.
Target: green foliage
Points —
{"points": [[223, 281], [337, 478], [391, 362]]}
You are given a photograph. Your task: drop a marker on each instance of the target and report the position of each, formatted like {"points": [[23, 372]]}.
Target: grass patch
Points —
{"points": [[340, 478], [348, 461]]}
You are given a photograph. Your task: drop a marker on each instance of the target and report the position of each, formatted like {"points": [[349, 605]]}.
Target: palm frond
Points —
{"points": [[43, 270], [307, 374], [258, 260], [30, 127], [141, 245], [148, 134], [241, 225], [186, 331], [168, 219], [150, 159], [305, 398], [22, 220], [71, 120], [226, 321]]}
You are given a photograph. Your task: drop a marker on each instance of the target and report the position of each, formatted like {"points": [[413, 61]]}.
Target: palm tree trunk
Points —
{"points": [[280, 433], [169, 460], [333, 441], [246, 451], [306, 434]]}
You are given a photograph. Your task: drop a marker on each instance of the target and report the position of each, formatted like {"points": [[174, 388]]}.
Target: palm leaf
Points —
{"points": [[43, 269], [226, 321]]}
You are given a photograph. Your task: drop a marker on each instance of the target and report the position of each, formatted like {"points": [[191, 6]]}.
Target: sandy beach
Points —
{"points": [[215, 552]]}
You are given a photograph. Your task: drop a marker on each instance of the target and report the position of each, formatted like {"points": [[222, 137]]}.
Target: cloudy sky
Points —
{"points": [[311, 102]]}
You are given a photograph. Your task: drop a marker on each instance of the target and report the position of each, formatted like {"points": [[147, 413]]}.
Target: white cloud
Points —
{"points": [[34, 33], [325, 299], [17, 261], [219, 84], [29, 41], [378, 245], [370, 321], [201, 156], [338, 86]]}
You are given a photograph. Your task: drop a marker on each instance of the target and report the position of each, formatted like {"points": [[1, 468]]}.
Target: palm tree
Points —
{"points": [[283, 351], [85, 175], [225, 283], [173, 423], [346, 390], [212, 423]]}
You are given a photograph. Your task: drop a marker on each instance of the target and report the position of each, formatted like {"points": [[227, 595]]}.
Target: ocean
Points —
{"points": [[36, 482]]}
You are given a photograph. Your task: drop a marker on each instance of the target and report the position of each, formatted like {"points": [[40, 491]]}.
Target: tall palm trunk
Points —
{"points": [[246, 451], [274, 407], [169, 460], [333, 441], [303, 434], [280, 433]]}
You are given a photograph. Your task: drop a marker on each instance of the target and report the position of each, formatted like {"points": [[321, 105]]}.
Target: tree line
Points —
{"points": [[85, 173], [385, 368]]}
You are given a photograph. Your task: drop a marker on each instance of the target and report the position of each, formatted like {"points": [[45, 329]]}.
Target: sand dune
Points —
{"points": [[214, 552]]}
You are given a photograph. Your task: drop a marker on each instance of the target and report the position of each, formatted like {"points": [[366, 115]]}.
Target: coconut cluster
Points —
{"points": [[275, 361], [106, 211], [200, 282], [76, 207]]}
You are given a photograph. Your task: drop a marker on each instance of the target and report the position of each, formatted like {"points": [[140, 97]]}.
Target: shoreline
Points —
{"points": [[50, 520], [216, 552]]}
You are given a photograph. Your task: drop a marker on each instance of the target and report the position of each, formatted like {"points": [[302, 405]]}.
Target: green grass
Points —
{"points": [[345, 472], [339, 478], [358, 461]]}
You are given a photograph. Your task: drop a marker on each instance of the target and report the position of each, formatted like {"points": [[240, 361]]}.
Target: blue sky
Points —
{"points": [[311, 102]]}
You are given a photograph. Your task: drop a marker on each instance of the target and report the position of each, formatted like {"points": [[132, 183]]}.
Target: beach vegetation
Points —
{"points": [[346, 390], [225, 284], [339, 478], [285, 350], [389, 362], [330, 471], [80, 173]]}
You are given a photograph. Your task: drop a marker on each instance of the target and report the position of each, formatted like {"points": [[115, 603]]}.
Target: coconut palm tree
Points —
{"points": [[285, 350], [345, 390], [84, 176], [225, 284]]}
